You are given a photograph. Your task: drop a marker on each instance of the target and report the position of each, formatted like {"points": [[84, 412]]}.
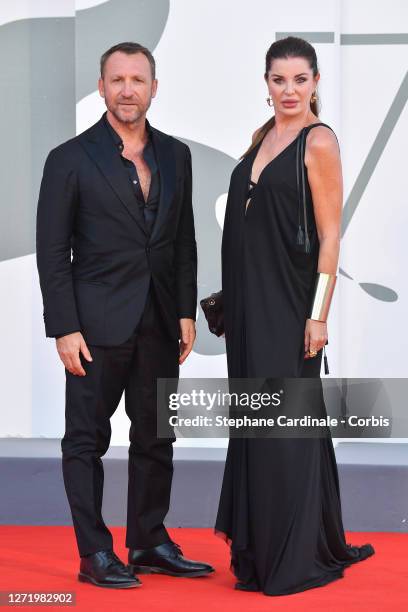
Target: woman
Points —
{"points": [[280, 504]]}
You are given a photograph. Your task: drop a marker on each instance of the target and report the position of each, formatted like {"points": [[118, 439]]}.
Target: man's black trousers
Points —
{"points": [[91, 400]]}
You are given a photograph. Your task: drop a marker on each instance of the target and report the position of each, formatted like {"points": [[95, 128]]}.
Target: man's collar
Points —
{"points": [[115, 136]]}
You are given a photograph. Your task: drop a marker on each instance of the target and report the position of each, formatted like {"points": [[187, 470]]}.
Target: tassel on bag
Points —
{"points": [[326, 364], [300, 238], [302, 235]]}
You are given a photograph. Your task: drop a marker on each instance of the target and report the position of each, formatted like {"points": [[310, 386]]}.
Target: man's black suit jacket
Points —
{"points": [[87, 205]]}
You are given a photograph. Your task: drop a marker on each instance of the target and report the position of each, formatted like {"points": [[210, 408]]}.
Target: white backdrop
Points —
{"points": [[210, 63]]}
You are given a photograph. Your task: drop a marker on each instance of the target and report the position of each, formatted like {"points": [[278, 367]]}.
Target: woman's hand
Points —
{"points": [[315, 337]]}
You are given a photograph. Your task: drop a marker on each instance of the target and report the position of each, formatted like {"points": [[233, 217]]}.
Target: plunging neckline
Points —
{"points": [[279, 154], [274, 158]]}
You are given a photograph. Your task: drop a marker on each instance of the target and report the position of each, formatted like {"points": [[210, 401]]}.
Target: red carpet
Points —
{"points": [[45, 559]]}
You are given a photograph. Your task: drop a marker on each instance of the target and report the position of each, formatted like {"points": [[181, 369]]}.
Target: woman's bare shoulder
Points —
{"points": [[322, 138]]}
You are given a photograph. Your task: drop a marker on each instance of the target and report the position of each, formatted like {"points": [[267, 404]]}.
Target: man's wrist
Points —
{"points": [[58, 336]]}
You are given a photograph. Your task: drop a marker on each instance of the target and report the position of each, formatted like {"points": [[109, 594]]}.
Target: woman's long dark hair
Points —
{"points": [[291, 46]]}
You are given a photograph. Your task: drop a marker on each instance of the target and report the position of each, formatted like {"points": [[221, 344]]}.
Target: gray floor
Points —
{"points": [[373, 480]]}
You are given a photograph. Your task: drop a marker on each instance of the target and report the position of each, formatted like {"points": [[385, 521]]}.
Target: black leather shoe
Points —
{"points": [[166, 559], [105, 569]]}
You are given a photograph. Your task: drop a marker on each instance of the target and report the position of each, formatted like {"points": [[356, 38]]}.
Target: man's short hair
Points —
{"points": [[130, 48]]}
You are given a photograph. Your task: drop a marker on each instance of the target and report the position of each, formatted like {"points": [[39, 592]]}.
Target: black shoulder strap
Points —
{"points": [[312, 125], [302, 235]]}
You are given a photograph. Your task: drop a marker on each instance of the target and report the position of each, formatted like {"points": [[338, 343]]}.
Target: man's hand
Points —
{"points": [[69, 347], [187, 337]]}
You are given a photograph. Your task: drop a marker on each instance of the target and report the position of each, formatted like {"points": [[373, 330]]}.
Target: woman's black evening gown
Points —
{"points": [[280, 502]]}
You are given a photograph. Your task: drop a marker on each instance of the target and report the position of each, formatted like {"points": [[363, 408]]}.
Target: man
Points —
{"points": [[122, 310]]}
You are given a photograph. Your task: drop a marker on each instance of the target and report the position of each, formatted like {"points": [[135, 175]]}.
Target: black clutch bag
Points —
{"points": [[213, 309]]}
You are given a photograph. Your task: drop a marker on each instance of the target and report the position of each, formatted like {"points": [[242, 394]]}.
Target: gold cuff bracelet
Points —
{"points": [[323, 294]]}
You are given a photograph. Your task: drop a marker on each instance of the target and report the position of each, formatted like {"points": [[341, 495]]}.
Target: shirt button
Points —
{"points": [[135, 182]]}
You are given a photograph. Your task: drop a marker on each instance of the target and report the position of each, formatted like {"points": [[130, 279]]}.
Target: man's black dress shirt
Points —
{"points": [[149, 207]]}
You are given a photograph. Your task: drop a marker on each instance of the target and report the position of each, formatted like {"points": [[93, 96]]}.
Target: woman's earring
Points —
{"points": [[314, 97], [269, 101]]}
